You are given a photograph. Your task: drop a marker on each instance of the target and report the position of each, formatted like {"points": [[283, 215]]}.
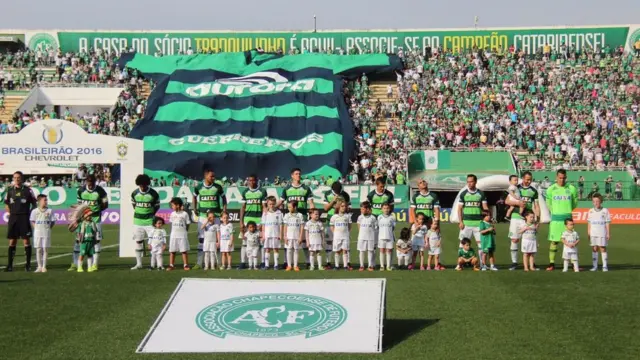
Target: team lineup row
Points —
{"points": [[374, 227]]}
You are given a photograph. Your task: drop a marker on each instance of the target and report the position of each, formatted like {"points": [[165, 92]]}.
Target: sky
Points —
{"points": [[298, 14]]}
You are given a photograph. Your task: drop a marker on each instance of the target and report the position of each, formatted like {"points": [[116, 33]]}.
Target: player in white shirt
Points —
{"points": [[178, 240], [386, 238], [403, 248], [340, 225], [315, 236], [570, 239], [272, 220], [42, 220], [418, 240], [209, 231], [225, 236], [599, 221], [157, 243], [529, 243], [293, 227], [367, 226], [435, 246], [252, 239]]}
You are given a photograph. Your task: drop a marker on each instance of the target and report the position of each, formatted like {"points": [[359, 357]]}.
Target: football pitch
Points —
{"points": [[429, 315]]}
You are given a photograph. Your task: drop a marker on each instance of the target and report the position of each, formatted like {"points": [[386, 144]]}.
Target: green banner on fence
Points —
{"points": [[63, 198], [172, 43]]}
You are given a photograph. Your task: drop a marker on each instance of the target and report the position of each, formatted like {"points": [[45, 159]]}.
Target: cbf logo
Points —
{"points": [[123, 149], [271, 316], [52, 135]]}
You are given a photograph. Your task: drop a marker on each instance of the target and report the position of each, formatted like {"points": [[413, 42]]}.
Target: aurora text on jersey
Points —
{"points": [[250, 110], [301, 194], [377, 200], [425, 203], [145, 206], [253, 201], [210, 198], [529, 195], [96, 199], [471, 202]]}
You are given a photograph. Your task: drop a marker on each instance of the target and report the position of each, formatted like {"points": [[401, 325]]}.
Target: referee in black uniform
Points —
{"points": [[19, 202]]}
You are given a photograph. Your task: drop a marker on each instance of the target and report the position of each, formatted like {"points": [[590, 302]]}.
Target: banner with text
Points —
{"points": [[172, 43]]}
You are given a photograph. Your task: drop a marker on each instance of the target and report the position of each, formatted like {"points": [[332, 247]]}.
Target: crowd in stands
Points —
{"points": [[566, 108]]}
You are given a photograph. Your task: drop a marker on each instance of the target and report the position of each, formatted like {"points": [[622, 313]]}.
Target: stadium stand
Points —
{"points": [[552, 109]]}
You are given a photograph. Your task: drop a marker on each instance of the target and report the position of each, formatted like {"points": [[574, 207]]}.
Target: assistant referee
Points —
{"points": [[19, 202]]}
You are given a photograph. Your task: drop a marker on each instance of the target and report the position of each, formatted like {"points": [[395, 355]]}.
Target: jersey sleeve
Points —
{"points": [[243, 196], [391, 199], [461, 197], [413, 199], [436, 201], [32, 216], [156, 200], [196, 191], [332, 221], [549, 197], [359, 219], [283, 193], [52, 219], [574, 197], [370, 196], [607, 216], [133, 197], [79, 194], [187, 218], [535, 195], [263, 191], [222, 197], [483, 226], [325, 197], [264, 218], [483, 197]]}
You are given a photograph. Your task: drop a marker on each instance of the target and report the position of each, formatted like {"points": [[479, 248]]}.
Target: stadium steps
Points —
{"points": [[11, 102], [379, 92]]}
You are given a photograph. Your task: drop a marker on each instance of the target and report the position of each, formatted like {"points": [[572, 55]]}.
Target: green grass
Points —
{"points": [[436, 315]]}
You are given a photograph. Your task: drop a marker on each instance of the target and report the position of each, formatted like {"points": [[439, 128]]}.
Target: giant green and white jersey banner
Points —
{"points": [[245, 112], [378, 41]]}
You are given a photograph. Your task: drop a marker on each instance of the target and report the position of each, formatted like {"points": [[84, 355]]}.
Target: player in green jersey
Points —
{"points": [[528, 198], [207, 196], [302, 194], [378, 197], [472, 203], [425, 202], [96, 198], [146, 203], [331, 198], [88, 235], [562, 199], [254, 201]]}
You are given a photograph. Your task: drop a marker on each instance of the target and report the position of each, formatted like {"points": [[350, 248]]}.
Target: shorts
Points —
{"points": [[178, 244], [292, 244], [141, 233], [18, 227], [340, 244], [598, 241], [272, 243], [87, 248], [434, 250], [252, 251], [529, 247], [469, 232], [366, 245], [488, 246], [569, 254], [201, 221], [386, 244], [400, 255], [417, 247], [210, 246], [40, 241], [514, 228], [316, 247], [556, 228], [224, 246]]}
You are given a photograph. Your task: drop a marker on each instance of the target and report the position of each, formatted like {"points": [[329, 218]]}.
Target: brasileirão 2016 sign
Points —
{"points": [[173, 42]]}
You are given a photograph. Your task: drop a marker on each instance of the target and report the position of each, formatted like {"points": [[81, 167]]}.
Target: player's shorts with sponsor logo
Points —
{"points": [[386, 244], [569, 253], [141, 232], [598, 241], [341, 244], [514, 228], [178, 244], [470, 232]]}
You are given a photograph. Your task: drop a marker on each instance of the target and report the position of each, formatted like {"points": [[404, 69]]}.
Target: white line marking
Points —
{"points": [[61, 255]]}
